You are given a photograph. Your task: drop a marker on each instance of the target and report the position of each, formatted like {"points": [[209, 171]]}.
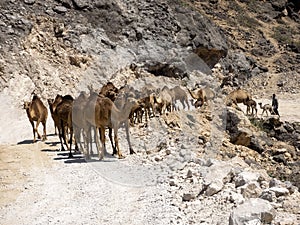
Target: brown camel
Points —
{"points": [[237, 96], [251, 104], [52, 106], [202, 95], [144, 106], [137, 112], [50, 103], [64, 113], [37, 111], [110, 91], [106, 114]]}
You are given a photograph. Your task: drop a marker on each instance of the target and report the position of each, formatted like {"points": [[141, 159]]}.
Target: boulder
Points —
{"points": [[242, 132], [251, 190], [254, 209], [245, 177]]}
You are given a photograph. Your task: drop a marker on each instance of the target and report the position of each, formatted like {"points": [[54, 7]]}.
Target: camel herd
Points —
{"points": [[94, 112]]}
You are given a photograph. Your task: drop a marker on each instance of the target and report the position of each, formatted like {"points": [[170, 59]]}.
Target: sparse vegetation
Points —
{"points": [[247, 22], [283, 34]]}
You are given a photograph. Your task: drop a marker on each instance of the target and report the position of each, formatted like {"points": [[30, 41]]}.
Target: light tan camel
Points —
{"points": [[202, 95], [106, 114], [251, 105], [164, 100], [37, 111], [266, 108], [237, 96], [80, 125], [179, 94]]}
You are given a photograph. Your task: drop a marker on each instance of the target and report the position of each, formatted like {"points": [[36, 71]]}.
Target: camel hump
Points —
{"points": [[35, 97]]}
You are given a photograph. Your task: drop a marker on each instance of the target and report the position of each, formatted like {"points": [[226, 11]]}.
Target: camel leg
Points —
{"points": [[102, 137], [111, 141], [117, 143], [182, 103], [77, 132], [87, 141], [90, 140], [36, 128], [188, 104], [60, 135], [71, 139], [128, 138], [163, 110], [146, 115], [45, 134], [33, 130]]}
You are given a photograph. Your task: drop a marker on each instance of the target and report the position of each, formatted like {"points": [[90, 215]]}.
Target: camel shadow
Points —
{"points": [[52, 143], [50, 150], [75, 160], [65, 155], [25, 142]]}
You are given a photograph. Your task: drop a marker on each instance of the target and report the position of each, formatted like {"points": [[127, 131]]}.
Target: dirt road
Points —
{"points": [[39, 185]]}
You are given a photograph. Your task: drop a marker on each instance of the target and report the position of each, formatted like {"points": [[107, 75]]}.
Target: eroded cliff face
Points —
{"points": [[57, 45]]}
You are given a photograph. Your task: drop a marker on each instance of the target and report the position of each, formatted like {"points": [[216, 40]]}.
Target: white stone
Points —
{"points": [[246, 177], [279, 191], [253, 209]]}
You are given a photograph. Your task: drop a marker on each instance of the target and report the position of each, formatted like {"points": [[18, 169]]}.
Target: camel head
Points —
{"points": [[26, 105]]}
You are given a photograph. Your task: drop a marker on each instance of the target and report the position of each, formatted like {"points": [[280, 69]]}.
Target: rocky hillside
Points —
{"points": [[55, 45]]}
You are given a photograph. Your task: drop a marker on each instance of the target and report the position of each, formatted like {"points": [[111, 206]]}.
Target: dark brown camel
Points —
{"points": [[37, 111], [110, 91], [64, 113], [52, 106]]}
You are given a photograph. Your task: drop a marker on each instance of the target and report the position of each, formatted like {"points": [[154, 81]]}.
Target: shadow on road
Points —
{"points": [[25, 142]]}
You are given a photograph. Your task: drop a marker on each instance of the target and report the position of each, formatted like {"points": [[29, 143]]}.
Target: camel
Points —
{"points": [[202, 95], [109, 90], [37, 111], [266, 108], [137, 112], [179, 94], [145, 106], [106, 114], [251, 104], [80, 125], [50, 103], [64, 113], [238, 96], [52, 106], [164, 100]]}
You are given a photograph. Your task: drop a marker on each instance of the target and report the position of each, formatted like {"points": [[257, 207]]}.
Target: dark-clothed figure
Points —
{"points": [[275, 104]]}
